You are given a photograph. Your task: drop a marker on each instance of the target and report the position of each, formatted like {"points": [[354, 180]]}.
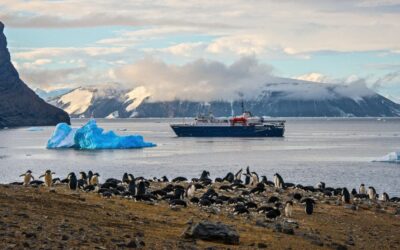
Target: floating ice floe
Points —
{"points": [[392, 157], [35, 129], [90, 136]]}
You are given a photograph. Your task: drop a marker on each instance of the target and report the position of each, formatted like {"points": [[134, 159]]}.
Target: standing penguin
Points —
{"points": [[345, 195], [278, 181], [362, 189], [254, 179], [95, 179], [48, 178], [125, 178], [132, 187], [309, 209], [89, 177], [141, 190], [385, 197], [247, 176], [190, 190], [289, 209], [27, 177], [72, 181], [371, 193]]}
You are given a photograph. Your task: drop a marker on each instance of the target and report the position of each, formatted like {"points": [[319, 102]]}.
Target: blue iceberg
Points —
{"points": [[90, 136]]}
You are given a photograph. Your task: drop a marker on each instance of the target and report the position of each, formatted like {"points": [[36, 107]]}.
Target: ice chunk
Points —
{"points": [[62, 137], [33, 129], [90, 136], [392, 157]]}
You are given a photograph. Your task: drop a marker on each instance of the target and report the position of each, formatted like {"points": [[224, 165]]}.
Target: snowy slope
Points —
{"points": [[77, 101], [136, 97]]}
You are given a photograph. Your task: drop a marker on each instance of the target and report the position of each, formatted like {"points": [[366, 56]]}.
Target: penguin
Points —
{"points": [[95, 179], [89, 176], [72, 181], [289, 209], [345, 195], [190, 190], [229, 177], [141, 190], [164, 179], [177, 202], [362, 189], [48, 178], [353, 192], [273, 214], [125, 178], [258, 189], [240, 209], [204, 175], [309, 205], [238, 175], [264, 179], [385, 197], [278, 181], [371, 193], [320, 185], [254, 179], [247, 176], [132, 187], [82, 181], [27, 177], [179, 179]]}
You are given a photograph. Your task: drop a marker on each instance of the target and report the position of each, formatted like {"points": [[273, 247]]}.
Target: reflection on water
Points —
{"points": [[337, 151]]}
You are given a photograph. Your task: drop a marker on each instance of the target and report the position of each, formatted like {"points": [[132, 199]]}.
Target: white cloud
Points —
{"points": [[197, 80], [38, 53], [314, 77], [299, 26], [244, 45]]}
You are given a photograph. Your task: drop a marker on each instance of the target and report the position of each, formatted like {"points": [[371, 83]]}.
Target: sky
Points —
{"points": [[204, 46]]}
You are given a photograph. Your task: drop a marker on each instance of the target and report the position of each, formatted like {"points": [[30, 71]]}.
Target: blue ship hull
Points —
{"points": [[228, 131]]}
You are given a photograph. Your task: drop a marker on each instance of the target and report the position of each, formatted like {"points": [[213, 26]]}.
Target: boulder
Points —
{"points": [[210, 231]]}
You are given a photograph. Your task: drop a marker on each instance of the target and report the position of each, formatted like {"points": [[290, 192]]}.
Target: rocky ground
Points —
{"points": [[50, 218]]}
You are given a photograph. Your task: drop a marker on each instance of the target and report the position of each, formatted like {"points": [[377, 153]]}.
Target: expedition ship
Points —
{"points": [[245, 125]]}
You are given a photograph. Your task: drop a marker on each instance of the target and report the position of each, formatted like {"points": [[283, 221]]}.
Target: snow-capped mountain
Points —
{"points": [[108, 102], [48, 95], [293, 99]]}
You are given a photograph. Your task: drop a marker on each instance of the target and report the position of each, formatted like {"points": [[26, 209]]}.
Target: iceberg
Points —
{"points": [[393, 157], [90, 136]]}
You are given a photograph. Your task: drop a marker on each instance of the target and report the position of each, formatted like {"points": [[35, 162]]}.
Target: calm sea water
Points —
{"points": [[337, 151]]}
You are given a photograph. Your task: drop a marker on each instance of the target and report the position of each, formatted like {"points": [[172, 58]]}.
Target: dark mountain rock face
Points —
{"points": [[19, 105]]}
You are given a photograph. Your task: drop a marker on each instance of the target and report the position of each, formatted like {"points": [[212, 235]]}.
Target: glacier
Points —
{"points": [[90, 136], [393, 157]]}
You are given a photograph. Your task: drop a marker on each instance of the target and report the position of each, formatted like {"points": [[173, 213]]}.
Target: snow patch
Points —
{"points": [[77, 101], [136, 97]]}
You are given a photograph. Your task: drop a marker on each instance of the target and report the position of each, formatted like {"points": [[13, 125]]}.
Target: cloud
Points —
{"points": [[197, 80], [37, 53], [314, 77], [300, 26]]}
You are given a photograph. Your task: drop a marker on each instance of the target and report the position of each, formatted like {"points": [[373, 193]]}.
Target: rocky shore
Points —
{"points": [[40, 217]]}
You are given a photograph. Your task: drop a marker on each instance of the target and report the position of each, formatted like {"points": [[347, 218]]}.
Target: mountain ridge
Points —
{"points": [[276, 100], [19, 105]]}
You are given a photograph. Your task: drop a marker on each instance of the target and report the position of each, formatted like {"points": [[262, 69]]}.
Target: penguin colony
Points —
{"points": [[241, 193]]}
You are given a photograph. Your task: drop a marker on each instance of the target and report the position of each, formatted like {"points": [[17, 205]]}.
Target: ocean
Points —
{"points": [[338, 151]]}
